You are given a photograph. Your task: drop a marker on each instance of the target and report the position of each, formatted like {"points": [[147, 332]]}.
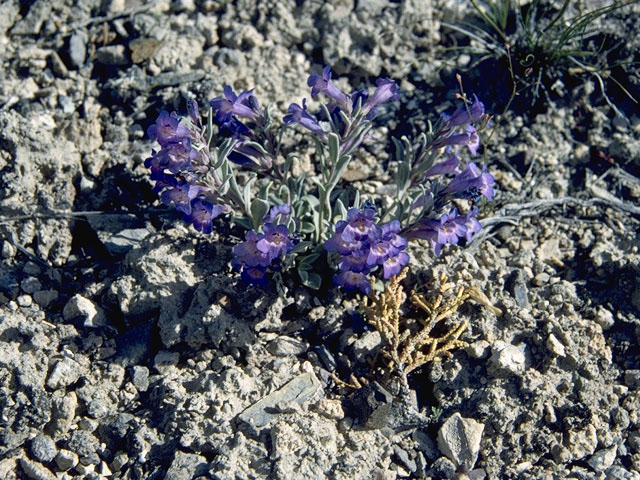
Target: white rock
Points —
{"points": [[554, 345], [603, 459], [81, 307], [507, 358], [459, 439], [66, 460]]}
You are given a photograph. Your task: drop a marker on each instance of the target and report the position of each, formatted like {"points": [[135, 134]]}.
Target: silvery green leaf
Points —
{"points": [[309, 259], [263, 193], [287, 162], [356, 200], [259, 209], [311, 200], [218, 162], [347, 121], [225, 147], [303, 274], [327, 114], [307, 227], [334, 148], [398, 148], [257, 147], [244, 222], [209, 125], [402, 176], [342, 209], [311, 280], [246, 192], [322, 163], [224, 186], [356, 138], [340, 168], [301, 246]]}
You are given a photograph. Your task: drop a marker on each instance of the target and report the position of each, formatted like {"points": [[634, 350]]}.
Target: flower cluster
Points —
{"points": [[356, 108], [363, 245], [451, 226], [289, 219], [464, 117], [179, 167], [262, 251]]}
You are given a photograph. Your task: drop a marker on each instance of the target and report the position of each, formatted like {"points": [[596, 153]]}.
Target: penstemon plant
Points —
{"points": [[295, 223]]}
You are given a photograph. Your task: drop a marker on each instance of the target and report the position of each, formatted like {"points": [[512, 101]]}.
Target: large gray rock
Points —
{"points": [[302, 389], [186, 466], [43, 448], [459, 439]]}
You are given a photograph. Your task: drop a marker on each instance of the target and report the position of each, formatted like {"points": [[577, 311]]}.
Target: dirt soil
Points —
{"points": [[128, 349]]}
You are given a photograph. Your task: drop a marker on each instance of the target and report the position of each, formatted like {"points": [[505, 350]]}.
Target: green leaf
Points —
{"points": [[307, 260], [301, 246], [307, 227], [342, 209], [287, 163], [402, 176], [259, 209], [243, 222], [246, 192], [264, 191], [334, 148], [311, 280], [256, 146]]}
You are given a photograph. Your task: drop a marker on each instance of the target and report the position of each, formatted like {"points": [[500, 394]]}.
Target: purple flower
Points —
{"points": [[243, 105], [364, 245], [472, 224], [379, 252], [275, 241], [338, 244], [390, 233], [163, 180], [354, 263], [192, 108], [394, 264], [323, 84], [360, 226], [247, 253], [298, 114], [181, 196], [167, 129], [471, 183], [254, 275], [202, 214], [234, 128], [461, 116], [390, 245], [359, 95], [248, 157], [450, 165], [387, 90], [351, 281], [469, 138], [177, 156], [283, 211], [447, 230]]}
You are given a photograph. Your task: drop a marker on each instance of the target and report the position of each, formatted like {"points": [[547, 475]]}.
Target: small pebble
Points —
{"points": [[66, 460], [541, 279]]}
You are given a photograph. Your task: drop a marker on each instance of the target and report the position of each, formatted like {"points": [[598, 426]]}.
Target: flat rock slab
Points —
{"points": [[459, 439], [304, 388]]}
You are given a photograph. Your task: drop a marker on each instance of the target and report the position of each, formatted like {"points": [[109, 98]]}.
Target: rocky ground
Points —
{"points": [[127, 349]]}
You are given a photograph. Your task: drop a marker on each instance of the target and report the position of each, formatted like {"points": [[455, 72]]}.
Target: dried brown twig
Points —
{"points": [[407, 347]]}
